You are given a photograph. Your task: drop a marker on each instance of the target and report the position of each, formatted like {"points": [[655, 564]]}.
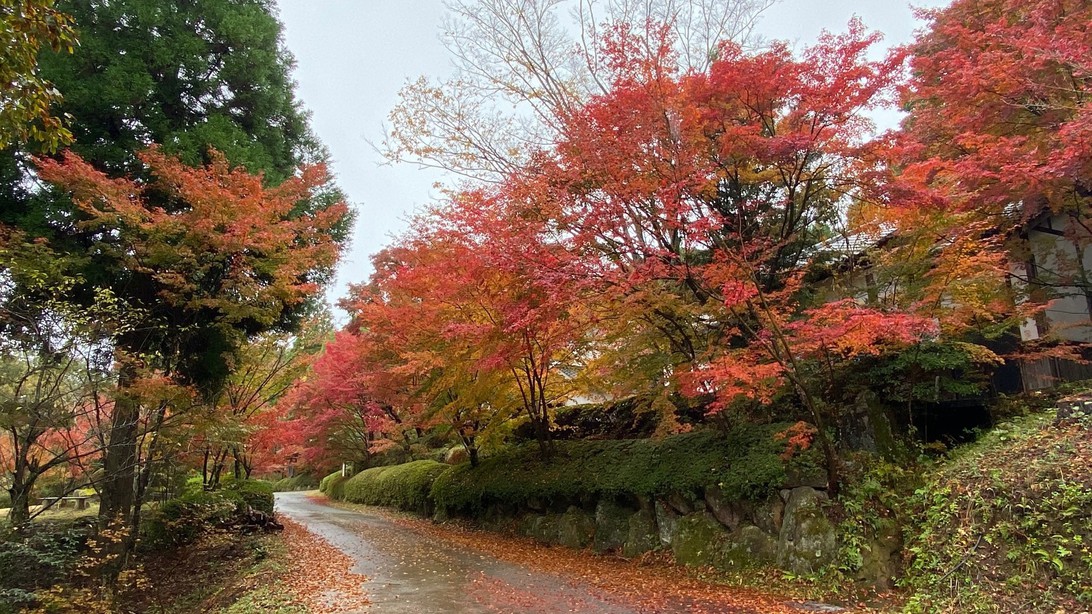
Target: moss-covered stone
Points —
{"points": [[769, 515], [699, 540], [808, 539], [576, 528], [611, 524], [748, 547], [545, 528], [642, 534]]}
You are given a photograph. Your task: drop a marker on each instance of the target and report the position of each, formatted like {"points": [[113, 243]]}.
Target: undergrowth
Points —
{"points": [[1006, 524]]}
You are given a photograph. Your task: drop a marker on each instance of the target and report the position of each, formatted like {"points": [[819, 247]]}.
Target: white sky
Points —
{"points": [[354, 55]]}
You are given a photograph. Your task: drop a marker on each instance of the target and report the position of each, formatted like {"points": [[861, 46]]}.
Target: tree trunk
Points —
{"points": [[542, 434], [120, 456], [830, 453], [19, 514]]}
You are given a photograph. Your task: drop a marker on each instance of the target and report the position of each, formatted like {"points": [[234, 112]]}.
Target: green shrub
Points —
{"points": [[333, 485], [38, 557], [746, 464], [258, 494], [181, 520], [324, 483], [405, 486], [5, 499], [298, 482]]}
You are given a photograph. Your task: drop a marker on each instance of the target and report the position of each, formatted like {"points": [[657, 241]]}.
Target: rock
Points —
{"points": [[667, 521], [785, 494], [729, 513], [457, 456], [749, 547], [545, 528], [699, 540], [680, 503], [1073, 408], [879, 560], [808, 539], [536, 505], [865, 425], [815, 606], [769, 514], [642, 535], [576, 528], [611, 525]]}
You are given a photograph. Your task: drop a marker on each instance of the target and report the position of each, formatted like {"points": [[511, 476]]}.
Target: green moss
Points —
{"points": [[746, 464], [699, 540]]}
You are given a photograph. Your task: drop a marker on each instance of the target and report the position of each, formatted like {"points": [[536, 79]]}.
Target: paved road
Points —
{"points": [[415, 574]]}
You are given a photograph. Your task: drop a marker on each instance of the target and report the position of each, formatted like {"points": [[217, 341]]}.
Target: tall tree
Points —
{"points": [[211, 256], [523, 66], [26, 96], [196, 77], [994, 157]]}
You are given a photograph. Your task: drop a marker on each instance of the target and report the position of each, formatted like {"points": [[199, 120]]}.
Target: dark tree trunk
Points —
{"points": [[19, 514], [120, 457]]}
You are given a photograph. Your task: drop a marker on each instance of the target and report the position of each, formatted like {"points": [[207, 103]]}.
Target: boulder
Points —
{"points": [[769, 515], [536, 505], [808, 539], [749, 547], [576, 528], [545, 528], [866, 425], [642, 535], [699, 540], [611, 525], [680, 503], [728, 512], [456, 456], [667, 521], [879, 558]]}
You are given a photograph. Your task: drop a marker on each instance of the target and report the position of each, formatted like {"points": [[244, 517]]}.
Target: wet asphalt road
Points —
{"points": [[415, 574]]}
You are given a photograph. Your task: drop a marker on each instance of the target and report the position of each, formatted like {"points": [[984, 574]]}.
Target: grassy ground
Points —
{"points": [[58, 514]]}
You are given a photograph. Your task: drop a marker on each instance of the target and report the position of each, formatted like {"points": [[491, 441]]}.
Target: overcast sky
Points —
{"points": [[354, 55]]}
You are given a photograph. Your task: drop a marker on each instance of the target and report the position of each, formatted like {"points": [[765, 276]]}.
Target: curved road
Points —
{"points": [[412, 573]]}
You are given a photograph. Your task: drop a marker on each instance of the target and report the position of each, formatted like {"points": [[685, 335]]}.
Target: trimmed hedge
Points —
{"points": [[333, 485], [299, 482], [404, 486], [746, 464]]}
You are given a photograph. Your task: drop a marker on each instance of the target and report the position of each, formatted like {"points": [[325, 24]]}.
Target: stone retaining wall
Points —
{"points": [[792, 530]]}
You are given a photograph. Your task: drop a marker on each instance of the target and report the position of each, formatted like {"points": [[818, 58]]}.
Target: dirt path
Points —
{"points": [[419, 571]]}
